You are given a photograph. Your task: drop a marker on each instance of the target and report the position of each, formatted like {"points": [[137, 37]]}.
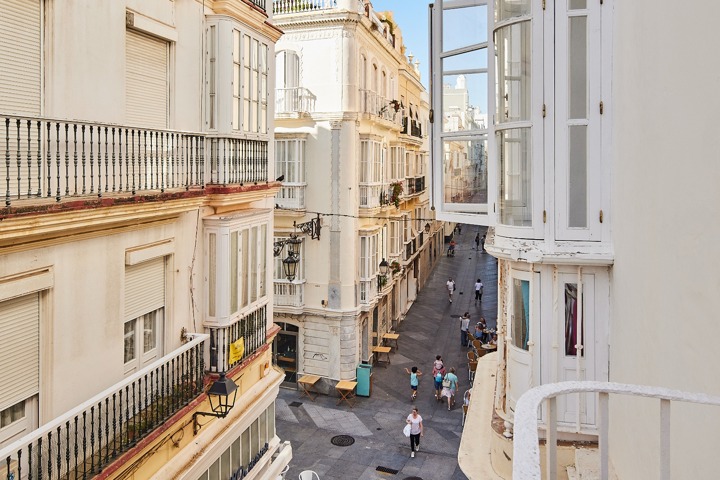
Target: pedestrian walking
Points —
{"points": [[450, 385], [416, 430], [464, 325], [478, 290], [414, 381], [482, 244], [438, 374], [477, 241], [450, 284]]}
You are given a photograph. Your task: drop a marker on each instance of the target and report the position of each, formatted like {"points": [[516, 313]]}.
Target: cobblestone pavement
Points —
{"points": [[431, 327]]}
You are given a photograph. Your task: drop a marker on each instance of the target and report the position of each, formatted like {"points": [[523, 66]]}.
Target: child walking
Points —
{"points": [[414, 375]]}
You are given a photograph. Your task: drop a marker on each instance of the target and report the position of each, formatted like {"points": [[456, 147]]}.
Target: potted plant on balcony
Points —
{"points": [[396, 189], [395, 267]]}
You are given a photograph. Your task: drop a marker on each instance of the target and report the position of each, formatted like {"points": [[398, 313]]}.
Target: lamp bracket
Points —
{"points": [[311, 228]]}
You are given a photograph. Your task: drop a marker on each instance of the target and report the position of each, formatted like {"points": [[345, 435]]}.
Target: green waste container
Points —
{"points": [[364, 380]]}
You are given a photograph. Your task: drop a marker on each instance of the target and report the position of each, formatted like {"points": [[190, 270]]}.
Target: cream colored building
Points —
{"points": [[135, 237], [602, 227], [351, 137]]}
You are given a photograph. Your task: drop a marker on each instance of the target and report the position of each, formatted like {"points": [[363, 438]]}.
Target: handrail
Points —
{"points": [[81, 410], [526, 448]]}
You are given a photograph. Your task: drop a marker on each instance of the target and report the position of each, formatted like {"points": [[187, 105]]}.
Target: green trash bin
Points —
{"points": [[364, 380]]}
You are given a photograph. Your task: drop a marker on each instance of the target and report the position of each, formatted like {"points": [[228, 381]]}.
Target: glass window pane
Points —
{"points": [[511, 8], [236, 459], [211, 274], [262, 428], [254, 445], [571, 320], [577, 176], [577, 67], [214, 473], [465, 171], [577, 4], [513, 72], [245, 253], [12, 414], [149, 332], [515, 177], [246, 447], [521, 313], [233, 272], [469, 27], [129, 341], [465, 102]]}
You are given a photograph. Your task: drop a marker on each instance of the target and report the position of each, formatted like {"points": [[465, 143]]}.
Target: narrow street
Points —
{"points": [[431, 327]]}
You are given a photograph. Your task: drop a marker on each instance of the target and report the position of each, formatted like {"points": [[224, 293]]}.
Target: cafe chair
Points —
{"points": [[472, 367], [465, 409], [471, 356], [308, 475]]}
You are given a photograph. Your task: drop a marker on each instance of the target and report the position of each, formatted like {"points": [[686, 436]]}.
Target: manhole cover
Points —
{"points": [[342, 440], [294, 404], [387, 470]]}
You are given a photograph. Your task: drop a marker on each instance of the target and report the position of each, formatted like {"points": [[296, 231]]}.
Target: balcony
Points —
{"points": [[292, 196], [83, 441], [368, 290], [378, 106], [526, 449], [283, 7], [371, 196], [289, 294], [415, 127], [260, 4], [414, 185], [296, 100], [44, 160], [225, 349]]}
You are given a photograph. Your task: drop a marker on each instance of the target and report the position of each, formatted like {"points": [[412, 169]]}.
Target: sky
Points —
{"points": [[412, 17]]}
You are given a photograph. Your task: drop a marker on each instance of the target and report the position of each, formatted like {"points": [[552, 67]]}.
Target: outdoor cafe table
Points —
{"points": [[382, 351], [307, 383], [346, 389], [392, 337]]}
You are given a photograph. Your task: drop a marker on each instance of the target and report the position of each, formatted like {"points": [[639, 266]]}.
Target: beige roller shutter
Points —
{"points": [[20, 56], [144, 287], [19, 349], [146, 80]]}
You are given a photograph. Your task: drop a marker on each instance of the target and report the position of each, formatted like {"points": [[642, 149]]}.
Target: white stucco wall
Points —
{"points": [[665, 286]]}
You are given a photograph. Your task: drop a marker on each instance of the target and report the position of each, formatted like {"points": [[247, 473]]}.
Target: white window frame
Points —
{"points": [[143, 356]]}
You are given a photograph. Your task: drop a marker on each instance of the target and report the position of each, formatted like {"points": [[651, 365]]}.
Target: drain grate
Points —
{"points": [[342, 440], [387, 470], [294, 404]]}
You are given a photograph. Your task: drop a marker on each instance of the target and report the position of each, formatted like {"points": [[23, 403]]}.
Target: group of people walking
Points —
{"points": [[446, 385]]}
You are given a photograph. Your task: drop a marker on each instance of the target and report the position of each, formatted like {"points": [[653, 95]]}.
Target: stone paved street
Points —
{"points": [[431, 327]]}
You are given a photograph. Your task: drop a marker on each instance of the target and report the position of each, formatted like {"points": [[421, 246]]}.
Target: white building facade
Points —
{"points": [[136, 236], [352, 146], [580, 219]]}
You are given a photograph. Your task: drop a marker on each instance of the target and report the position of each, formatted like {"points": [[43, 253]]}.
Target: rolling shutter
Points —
{"points": [[144, 288], [146, 80], [20, 57], [19, 349]]}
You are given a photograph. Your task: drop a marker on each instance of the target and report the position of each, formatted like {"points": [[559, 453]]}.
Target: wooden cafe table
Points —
{"points": [[307, 383], [346, 390]]}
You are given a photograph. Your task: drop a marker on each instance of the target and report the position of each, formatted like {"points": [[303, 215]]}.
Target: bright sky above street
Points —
{"points": [[412, 17]]}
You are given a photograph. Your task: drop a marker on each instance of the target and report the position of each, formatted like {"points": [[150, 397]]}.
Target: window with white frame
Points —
{"points": [[19, 359], [250, 83], [394, 245], [397, 162], [520, 313], [142, 340], [290, 163], [370, 161], [368, 267], [212, 74], [237, 258], [241, 454]]}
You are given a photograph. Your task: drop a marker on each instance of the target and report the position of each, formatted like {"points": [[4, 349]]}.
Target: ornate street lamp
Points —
{"points": [[222, 399], [384, 267]]}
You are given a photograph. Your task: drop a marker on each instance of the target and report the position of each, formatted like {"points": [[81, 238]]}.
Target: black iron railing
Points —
{"points": [[252, 329], [80, 443], [260, 4], [57, 159]]}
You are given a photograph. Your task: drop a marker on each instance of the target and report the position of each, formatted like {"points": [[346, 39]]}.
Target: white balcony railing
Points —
{"points": [[281, 7], [82, 441], [375, 104], [291, 196], [294, 100], [289, 294], [526, 449]]}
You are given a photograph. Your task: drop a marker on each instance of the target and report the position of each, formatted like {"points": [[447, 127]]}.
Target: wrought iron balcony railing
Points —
{"points": [[251, 329], [294, 100], [44, 158], [259, 4], [83, 441], [282, 7]]}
